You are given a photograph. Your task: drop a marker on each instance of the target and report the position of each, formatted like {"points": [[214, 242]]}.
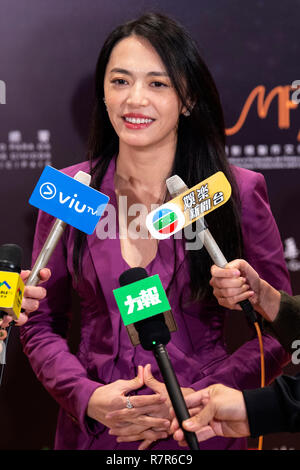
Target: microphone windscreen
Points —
{"points": [[10, 258], [153, 331], [132, 275]]}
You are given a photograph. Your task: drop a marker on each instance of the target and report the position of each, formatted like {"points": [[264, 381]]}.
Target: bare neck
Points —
{"points": [[144, 170]]}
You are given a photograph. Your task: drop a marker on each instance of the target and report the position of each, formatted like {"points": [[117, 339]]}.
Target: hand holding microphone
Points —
{"points": [[178, 188], [15, 300], [12, 293], [237, 282], [31, 297], [215, 411]]}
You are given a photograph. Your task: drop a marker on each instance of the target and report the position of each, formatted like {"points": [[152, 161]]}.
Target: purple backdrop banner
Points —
{"points": [[48, 52]]}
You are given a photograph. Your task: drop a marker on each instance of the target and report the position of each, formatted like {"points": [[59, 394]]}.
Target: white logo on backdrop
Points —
{"points": [[2, 92], [291, 254], [16, 153], [283, 448], [264, 156], [14, 137]]}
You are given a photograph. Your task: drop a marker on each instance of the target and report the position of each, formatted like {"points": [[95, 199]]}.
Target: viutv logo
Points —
{"points": [[48, 190], [165, 221], [69, 200]]}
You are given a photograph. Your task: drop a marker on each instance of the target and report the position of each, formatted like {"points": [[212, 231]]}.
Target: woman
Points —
{"points": [[157, 113]]}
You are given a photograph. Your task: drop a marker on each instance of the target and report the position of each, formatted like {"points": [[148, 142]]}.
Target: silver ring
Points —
{"points": [[128, 403]]}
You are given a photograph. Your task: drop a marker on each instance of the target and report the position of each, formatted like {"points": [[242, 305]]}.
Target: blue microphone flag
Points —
{"points": [[69, 200]]}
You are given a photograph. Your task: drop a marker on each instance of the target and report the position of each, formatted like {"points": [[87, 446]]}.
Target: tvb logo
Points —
{"points": [[2, 92]]}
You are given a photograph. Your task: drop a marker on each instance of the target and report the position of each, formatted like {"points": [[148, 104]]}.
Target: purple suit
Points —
{"points": [[105, 354]]}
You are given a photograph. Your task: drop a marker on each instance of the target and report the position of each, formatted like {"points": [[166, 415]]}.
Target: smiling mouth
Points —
{"points": [[138, 120]]}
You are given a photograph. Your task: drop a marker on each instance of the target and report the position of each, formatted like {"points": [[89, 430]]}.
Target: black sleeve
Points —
{"points": [[286, 326], [275, 408]]}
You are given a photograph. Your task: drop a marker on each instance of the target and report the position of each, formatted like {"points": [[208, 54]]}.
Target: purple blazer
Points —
{"points": [[197, 350]]}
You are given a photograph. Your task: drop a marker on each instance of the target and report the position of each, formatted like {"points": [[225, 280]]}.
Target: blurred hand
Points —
{"points": [[32, 296]]}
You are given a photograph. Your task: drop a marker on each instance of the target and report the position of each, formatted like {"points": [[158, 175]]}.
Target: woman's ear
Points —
{"points": [[187, 109], [186, 113]]}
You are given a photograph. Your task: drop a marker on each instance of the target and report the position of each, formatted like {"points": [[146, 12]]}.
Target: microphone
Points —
{"points": [[189, 206], [176, 186], [11, 284], [154, 334], [53, 238]]}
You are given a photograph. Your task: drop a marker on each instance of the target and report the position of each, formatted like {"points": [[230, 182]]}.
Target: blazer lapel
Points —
{"points": [[106, 252]]}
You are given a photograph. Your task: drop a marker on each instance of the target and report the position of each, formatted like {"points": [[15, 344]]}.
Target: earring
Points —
{"points": [[187, 113], [104, 102]]}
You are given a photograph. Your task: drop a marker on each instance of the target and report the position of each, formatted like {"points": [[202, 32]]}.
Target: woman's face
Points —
{"points": [[142, 104]]}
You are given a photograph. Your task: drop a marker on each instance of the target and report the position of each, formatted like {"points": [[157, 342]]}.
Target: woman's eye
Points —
{"points": [[158, 84], [119, 81]]}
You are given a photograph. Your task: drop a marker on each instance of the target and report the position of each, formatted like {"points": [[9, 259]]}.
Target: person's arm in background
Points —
{"points": [[263, 250], [231, 413], [223, 411], [280, 311]]}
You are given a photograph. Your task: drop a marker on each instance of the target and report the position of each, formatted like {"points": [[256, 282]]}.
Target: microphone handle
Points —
{"points": [[46, 252], [175, 393], [220, 260]]}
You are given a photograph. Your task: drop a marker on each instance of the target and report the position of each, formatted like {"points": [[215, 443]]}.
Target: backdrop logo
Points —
{"points": [[2, 92], [296, 94], [285, 105], [18, 153], [291, 253]]}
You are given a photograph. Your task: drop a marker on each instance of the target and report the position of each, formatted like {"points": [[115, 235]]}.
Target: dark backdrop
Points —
{"points": [[48, 51]]}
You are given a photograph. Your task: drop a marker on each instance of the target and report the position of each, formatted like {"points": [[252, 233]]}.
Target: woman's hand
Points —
{"points": [[159, 413], [108, 406]]}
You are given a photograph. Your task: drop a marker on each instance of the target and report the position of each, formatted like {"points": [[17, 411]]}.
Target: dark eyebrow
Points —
{"points": [[126, 72]]}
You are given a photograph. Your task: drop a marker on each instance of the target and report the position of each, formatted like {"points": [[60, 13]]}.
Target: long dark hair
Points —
{"points": [[201, 136]]}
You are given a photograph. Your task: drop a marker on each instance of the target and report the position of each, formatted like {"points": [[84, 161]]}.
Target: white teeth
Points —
{"points": [[138, 120]]}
